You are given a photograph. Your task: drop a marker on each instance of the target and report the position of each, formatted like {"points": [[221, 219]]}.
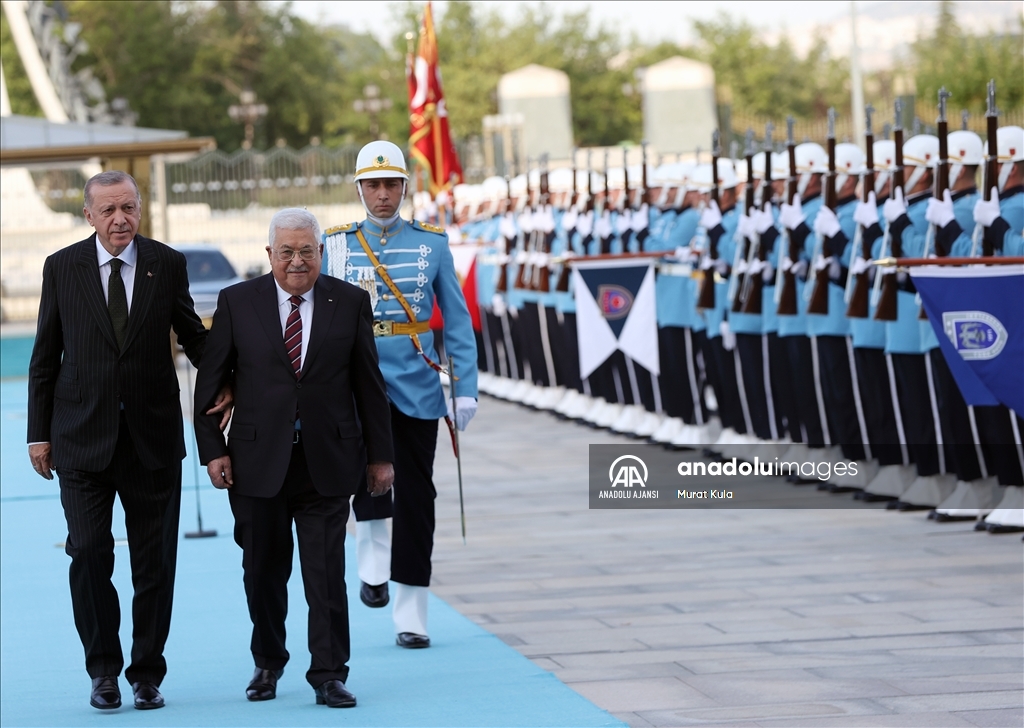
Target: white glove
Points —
{"points": [[706, 262], [442, 198], [768, 274], [641, 219], [826, 224], [507, 226], [585, 224], [859, 266], [623, 222], [745, 227], [792, 215], [757, 266], [711, 217], [763, 219], [740, 268], [940, 212], [685, 255], [894, 207], [603, 226], [526, 222], [865, 214], [985, 213], [569, 219], [721, 266], [728, 337], [465, 408]]}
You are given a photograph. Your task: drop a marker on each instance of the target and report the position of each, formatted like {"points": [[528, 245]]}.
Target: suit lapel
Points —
{"points": [[87, 271], [266, 307], [323, 313], [145, 284]]}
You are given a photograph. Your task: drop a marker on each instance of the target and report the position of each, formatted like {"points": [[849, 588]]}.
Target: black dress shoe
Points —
{"points": [[263, 685], [106, 695], [334, 695], [147, 696], [374, 597], [412, 641]]}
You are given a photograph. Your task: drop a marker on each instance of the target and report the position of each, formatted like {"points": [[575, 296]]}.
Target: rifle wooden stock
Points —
{"points": [[991, 167], [706, 299], [502, 285], [787, 296], [887, 309], [858, 306], [819, 296]]}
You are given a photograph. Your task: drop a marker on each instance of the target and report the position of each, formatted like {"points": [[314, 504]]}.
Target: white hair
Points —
{"points": [[294, 218]]}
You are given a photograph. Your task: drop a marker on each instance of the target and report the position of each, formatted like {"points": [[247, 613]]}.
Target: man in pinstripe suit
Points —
{"points": [[104, 413]]}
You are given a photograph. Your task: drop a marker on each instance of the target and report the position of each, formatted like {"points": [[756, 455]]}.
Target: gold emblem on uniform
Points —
{"points": [[431, 228], [338, 229], [381, 161]]}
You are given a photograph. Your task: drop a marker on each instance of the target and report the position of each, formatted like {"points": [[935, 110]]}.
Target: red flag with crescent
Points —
{"points": [[429, 139]]}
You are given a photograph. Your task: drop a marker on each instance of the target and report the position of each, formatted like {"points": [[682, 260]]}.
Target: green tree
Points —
{"points": [[964, 63], [19, 89]]}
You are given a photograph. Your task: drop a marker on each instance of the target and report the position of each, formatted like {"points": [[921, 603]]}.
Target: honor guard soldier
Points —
{"points": [[1003, 218], [407, 269]]}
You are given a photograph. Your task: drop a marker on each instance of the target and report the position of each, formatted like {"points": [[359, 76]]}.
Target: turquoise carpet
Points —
{"points": [[468, 678]]}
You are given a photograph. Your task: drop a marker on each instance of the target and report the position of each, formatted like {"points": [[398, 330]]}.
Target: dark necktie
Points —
{"points": [[293, 335], [117, 302]]}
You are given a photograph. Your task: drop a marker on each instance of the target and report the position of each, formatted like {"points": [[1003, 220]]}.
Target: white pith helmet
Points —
{"points": [[380, 160]]}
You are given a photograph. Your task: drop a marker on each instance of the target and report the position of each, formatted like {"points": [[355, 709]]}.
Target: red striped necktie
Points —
{"points": [[293, 335]]}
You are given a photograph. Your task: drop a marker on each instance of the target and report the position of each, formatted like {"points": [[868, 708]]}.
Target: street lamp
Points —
{"points": [[247, 112], [372, 104]]}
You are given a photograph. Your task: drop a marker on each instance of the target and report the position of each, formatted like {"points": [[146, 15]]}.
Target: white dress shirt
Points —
{"points": [[284, 308], [128, 257]]}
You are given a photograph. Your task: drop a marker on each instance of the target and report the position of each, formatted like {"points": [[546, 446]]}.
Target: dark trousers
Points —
{"points": [[681, 379], [570, 353], [533, 338], [837, 391], [958, 438], [752, 363], [915, 404], [263, 528], [152, 501], [801, 378], [721, 372], [412, 531], [787, 419], [876, 399], [1002, 456]]}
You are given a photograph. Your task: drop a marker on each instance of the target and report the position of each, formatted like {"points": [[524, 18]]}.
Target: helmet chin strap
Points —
{"points": [[954, 172], [381, 221], [880, 179], [1004, 174], [801, 185], [915, 177]]}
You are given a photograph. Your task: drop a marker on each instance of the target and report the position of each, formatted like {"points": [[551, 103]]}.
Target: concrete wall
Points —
{"points": [[541, 95], [679, 105]]}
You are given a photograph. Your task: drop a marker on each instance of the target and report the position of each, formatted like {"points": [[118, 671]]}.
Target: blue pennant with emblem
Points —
{"points": [[615, 309], [978, 316]]}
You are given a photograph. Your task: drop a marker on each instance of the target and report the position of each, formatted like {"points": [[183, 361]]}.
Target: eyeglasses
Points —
{"points": [[286, 255]]}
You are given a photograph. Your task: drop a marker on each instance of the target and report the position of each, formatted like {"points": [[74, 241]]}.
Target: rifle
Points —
{"points": [[604, 247], [785, 281], [643, 175], [706, 299], [502, 284], [590, 183], [541, 279], [752, 292], [738, 281], [819, 296], [940, 184], [991, 170], [887, 301], [525, 269], [857, 298]]}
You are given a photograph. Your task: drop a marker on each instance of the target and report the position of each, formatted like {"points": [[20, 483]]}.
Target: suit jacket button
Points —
{"points": [[298, 385]]}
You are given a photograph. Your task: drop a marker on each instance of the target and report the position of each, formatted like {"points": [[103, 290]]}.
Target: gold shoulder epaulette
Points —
{"points": [[430, 228], [338, 229]]}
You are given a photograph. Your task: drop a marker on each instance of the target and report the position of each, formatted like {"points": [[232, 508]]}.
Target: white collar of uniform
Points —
{"points": [[128, 256], [284, 297]]}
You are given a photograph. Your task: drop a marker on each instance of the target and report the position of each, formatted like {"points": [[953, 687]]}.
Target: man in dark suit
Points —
{"points": [[310, 412], [104, 412]]}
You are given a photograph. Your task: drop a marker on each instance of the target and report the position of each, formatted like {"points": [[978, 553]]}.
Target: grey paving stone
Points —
{"points": [[747, 617], [1006, 718]]}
